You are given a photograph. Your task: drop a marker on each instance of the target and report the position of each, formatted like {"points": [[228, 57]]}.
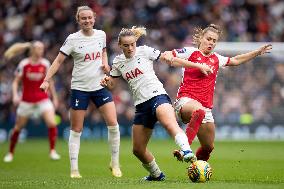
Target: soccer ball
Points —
{"points": [[199, 171]]}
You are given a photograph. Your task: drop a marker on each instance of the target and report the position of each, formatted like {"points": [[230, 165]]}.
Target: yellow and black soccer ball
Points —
{"points": [[199, 171]]}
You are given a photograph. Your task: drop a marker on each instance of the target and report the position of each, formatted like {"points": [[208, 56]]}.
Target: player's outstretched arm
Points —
{"points": [[242, 58], [168, 58], [51, 71], [108, 82]]}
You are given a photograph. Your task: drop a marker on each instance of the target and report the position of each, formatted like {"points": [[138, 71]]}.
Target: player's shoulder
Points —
{"points": [[216, 54], [73, 35], [141, 50], [99, 32], [24, 62], [45, 62], [118, 59], [191, 49], [144, 47], [187, 49]]}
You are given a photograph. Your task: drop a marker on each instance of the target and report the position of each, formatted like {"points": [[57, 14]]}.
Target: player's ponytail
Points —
{"points": [[137, 32], [199, 32], [16, 49]]}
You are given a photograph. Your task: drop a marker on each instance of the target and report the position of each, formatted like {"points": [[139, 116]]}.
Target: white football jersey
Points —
{"points": [[139, 73], [87, 54]]}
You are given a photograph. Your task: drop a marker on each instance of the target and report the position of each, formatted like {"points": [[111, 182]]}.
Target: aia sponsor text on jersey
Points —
{"points": [[92, 56], [133, 74]]}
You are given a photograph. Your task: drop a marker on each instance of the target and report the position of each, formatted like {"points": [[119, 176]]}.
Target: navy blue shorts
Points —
{"points": [[145, 113], [80, 99]]}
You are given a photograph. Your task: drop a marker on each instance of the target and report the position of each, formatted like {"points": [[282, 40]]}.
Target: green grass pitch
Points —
{"points": [[235, 165]]}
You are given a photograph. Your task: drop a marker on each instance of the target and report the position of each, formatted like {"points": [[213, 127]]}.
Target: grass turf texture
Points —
{"points": [[235, 165]]}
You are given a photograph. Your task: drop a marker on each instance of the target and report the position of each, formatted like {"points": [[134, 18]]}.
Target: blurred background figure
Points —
{"points": [[33, 102]]}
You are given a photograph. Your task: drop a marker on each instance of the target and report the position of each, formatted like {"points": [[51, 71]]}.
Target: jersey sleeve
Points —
{"points": [[184, 52], [67, 47], [223, 60], [115, 72], [104, 44], [152, 53]]}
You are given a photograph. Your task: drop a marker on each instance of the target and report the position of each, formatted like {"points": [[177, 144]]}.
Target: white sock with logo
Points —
{"points": [[152, 168], [74, 147], [114, 143]]}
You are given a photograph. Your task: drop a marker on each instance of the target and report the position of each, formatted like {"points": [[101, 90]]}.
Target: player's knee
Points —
{"points": [[137, 152], [77, 129], [18, 127], [51, 125]]}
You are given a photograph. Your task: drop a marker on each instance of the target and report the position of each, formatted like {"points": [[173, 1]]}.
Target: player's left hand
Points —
{"points": [[104, 81], [105, 68], [264, 49], [167, 57]]}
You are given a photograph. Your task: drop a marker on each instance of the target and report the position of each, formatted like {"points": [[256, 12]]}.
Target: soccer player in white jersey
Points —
{"points": [[152, 103], [30, 73], [195, 94], [88, 49]]}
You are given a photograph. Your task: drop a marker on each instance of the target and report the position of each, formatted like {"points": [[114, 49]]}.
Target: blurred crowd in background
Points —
{"points": [[246, 94]]}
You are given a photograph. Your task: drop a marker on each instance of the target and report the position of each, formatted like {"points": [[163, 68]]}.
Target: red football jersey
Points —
{"points": [[32, 76], [194, 83]]}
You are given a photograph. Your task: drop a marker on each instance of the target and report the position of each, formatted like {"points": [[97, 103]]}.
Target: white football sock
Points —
{"points": [[152, 168], [114, 143], [182, 141], [74, 147]]}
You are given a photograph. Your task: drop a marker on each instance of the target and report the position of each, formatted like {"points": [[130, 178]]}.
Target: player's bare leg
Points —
{"points": [[140, 138], [20, 123], [108, 112], [206, 136]]}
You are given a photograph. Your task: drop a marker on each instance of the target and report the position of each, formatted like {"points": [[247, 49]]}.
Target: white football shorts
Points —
{"points": [[28, 109], [180, 102]]}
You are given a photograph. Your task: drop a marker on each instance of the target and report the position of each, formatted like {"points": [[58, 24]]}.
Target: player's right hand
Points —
{"points": [[205, 69], [104, 81], [44, 86]]}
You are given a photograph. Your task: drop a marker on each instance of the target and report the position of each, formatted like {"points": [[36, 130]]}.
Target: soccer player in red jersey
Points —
{"points": [[195, 95], [31, 72]]}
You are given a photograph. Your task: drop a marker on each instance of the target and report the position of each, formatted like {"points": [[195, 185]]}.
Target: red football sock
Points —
{"points": [[14, 140], [52, 135], [194, 124], [203, 154]]}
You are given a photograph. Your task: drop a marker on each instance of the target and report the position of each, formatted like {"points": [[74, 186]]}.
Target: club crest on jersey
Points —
{"points": [[133, 74], [183, 50], [92, 56]]}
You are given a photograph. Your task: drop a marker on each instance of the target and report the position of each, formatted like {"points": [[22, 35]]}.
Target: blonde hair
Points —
{"points": [[17, 49], [199, 33], [81, 8], [137, 32]]}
